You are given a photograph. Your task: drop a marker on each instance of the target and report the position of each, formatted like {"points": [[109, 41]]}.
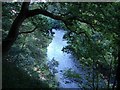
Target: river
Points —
{"points": [[64, 60]]}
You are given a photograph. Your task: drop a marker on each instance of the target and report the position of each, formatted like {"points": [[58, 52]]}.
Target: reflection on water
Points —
{"points": [[58, 62], [64, 60]]}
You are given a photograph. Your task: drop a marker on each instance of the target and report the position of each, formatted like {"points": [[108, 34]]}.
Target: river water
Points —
{"points": [[64, 60]]}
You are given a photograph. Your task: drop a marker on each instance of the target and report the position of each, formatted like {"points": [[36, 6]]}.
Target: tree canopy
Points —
{"points": [[93, 34]]}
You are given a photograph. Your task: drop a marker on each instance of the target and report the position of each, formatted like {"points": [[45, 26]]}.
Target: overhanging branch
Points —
{"points": [[24, 14], [34, 12], [28, 31], [67, 20]]}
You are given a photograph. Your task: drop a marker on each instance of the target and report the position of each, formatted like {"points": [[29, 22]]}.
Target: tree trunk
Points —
{"points": [[13, 34], [14, 30]]}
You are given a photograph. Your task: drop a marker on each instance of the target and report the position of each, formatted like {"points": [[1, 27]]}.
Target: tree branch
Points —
{"points": [[28, 31], [34, 12], [25, 7], [67, 21], [24, 14]]}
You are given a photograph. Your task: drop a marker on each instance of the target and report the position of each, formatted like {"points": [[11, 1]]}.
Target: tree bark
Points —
{"points": [[14, 30]]}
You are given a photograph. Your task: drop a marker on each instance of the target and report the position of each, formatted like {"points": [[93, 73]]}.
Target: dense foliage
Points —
{"points": [[28, 53], [93, 38]]}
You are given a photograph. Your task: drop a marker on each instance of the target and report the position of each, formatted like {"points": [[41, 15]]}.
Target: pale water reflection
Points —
{"points": [[65, 62], [64, 59]]}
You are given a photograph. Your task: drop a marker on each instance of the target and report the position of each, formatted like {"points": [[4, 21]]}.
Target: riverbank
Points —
{"points": [[25, 66]]}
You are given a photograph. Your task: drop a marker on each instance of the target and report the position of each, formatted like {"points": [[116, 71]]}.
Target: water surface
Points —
{"points": [[65, 61]]}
